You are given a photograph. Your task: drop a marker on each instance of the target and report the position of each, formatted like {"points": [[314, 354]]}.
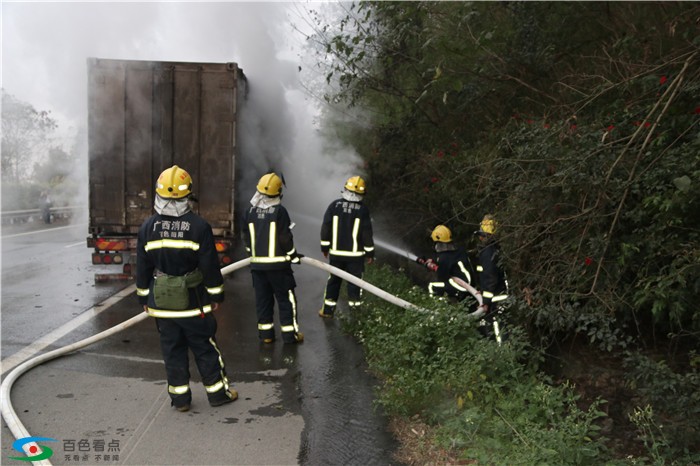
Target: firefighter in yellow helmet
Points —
{"points": [[179, 282], [267, 234], [452, 266], [492, 279], [347, 241]]}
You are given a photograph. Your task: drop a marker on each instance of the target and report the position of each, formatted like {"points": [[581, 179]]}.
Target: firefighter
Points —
{"points": [[267, 234], [492, 280], [347, 241], [178, 281], [452, 266]]}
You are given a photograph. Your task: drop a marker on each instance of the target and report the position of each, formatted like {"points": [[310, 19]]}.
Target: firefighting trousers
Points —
{"points": [[330, 299], [197, 334], [271, 285], [493, 324]]}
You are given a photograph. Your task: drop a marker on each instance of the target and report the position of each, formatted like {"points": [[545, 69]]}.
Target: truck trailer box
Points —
{"points": [[143, 117]]}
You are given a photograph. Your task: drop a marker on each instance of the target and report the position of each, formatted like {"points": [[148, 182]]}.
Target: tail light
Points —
{"points": [[222, 246], [106, 258]]}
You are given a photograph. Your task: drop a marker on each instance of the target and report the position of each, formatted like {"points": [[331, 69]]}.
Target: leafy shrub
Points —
{"points": [[489, 400], [668, 411]]}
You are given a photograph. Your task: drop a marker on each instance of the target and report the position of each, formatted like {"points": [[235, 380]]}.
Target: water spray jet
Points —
{"points": [[394, 249]]}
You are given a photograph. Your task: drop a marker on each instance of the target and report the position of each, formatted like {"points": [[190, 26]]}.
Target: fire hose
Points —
{"points": [[33, 449]]}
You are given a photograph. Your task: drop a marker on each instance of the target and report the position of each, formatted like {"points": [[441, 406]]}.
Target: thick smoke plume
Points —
{"points": [[45, 47]]}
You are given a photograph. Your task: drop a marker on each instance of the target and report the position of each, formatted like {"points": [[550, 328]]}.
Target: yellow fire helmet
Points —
{"points": [[441, 234], [174, 183], [488, 225], [355, 184], [270, 185]]}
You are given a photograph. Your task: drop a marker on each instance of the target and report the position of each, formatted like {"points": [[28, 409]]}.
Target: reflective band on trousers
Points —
{"points": [[163, 314], [142, 291], [266, 326], [178, 390], [295, 326], [214, 388], [329, 302], [221, 358], [497, 332], [215, 290], [171, 243]]}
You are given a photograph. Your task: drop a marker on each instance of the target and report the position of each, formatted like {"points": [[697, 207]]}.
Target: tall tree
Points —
{"points": [[26, 136]]}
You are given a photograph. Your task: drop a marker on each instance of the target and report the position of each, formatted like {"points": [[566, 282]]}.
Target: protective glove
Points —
{"points": [[295, 258]]}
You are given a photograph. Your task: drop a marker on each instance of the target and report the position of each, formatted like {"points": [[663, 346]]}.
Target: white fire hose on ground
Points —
{"points": [[362, 284], [33, 449], [8, 412], [18, 429]]}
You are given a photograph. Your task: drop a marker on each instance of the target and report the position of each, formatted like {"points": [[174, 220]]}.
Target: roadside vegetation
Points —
{"points": [[577, 126], [488, 403], [463, 399], [33, 159]]}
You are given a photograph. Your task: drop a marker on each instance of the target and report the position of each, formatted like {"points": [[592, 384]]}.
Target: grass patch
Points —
{"points": [[482, 402]]}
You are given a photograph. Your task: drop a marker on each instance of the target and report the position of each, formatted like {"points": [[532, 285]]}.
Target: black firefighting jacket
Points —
{"points": [[177, 246], [492, 277], [346, 233], [454, 263], [268, 238]]}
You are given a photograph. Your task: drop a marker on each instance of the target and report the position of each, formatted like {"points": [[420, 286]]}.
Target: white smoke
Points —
{"points": [[45, 47]]}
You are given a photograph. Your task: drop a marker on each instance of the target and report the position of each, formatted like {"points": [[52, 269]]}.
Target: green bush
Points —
{"points": [[668, 408], [577, 125], [489, 400]]}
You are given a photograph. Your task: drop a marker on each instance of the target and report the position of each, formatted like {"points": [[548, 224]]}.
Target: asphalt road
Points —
{"points": [[310, 403]]}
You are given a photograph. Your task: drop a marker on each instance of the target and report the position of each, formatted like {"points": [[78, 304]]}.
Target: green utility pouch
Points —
{"points": [[172, 292]]}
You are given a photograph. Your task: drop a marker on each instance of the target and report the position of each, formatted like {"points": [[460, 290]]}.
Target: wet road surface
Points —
{"points": [[310, 403]]}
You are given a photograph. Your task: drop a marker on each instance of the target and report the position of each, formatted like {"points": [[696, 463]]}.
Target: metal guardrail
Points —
{"points": [[32, 215]]}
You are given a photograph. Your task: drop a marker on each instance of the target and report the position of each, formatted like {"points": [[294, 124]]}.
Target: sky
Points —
{"points": [[45, 47]]}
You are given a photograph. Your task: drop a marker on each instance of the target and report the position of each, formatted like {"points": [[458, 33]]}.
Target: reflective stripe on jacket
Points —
{"points": [[346, 232], [177, 246], [268, 237]]}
